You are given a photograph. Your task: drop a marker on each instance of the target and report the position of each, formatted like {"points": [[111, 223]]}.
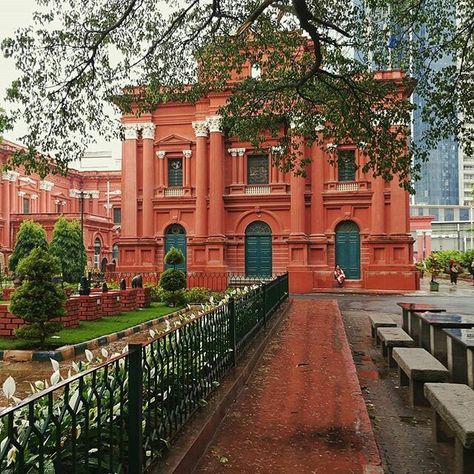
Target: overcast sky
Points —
{"points": [[14, 14]]}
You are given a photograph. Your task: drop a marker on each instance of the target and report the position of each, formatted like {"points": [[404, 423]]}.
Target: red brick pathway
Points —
{"points": [[302, 411]]}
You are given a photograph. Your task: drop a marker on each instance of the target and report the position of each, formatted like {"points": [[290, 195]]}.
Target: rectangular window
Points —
{"points": [[175, 172], [464, 214], [26, 206], [449, 215], [346, 164], [117, 211], [434, 211], [257, 170]]}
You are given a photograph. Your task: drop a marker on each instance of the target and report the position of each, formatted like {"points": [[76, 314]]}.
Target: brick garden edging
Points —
{"points": [[69, 352], [85, 308]]}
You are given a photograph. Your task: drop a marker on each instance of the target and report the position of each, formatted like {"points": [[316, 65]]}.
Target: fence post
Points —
{"points": [[233, 330], [135, 404]]}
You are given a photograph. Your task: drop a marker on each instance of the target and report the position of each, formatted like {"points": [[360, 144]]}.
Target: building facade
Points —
{"points": [[186, 184], [44, 200]]}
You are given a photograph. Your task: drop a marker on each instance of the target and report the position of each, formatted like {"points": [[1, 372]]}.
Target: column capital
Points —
{"points": [[187, 153], [46, 185], [130, 130], [277, 150], [148, 130], [161, 154], [236, 151], [34, 196], [10, 175], [214, 122], [21, 193], [200, 128]]}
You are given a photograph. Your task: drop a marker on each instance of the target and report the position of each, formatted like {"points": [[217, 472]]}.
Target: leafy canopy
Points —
{"points": [[38, 300], [316, 58], [31, 235], [68, 246]]}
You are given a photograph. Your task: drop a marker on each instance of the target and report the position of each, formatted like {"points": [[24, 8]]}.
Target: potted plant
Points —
{"points": [[433, 266]]}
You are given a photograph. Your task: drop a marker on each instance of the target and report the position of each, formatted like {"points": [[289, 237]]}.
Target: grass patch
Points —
{"points": [[92, 329]]}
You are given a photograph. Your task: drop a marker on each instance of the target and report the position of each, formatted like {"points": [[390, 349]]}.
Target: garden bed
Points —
{"points": [[88, 330]]}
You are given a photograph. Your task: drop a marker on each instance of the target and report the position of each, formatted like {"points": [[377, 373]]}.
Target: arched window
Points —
{"points": [[97, 252], [115, 252]]}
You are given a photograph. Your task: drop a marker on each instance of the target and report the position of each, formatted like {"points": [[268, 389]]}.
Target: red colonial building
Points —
{"points": [[44, 200], [186, 184]]}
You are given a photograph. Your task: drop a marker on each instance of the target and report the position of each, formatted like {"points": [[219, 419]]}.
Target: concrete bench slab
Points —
{"points": [[415, 367], [393, 337], [453, 414], [378, 321]]}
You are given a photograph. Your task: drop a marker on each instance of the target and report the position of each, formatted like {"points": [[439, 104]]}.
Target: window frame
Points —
{"points": [[344, 174], [264, 159], [171, 160]]}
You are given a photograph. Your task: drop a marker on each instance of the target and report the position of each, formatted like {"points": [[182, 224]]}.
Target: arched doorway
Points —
{"points": [[348, 249], [103, 265], [175, 236], [258, 249]]}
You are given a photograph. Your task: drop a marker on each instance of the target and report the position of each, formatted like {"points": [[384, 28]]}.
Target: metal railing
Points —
{"points": [[122, 415], [216, 281]]}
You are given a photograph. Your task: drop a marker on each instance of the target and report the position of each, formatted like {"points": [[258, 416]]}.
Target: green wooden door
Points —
{"points": [[258, 250], [176, 237], [348, 249]]}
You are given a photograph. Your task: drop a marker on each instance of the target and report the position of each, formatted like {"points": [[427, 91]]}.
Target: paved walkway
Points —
{"points": [[302, 411]]}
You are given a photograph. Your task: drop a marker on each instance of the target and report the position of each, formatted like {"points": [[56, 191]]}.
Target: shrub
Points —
{"points": [[197, 295], [38, 300], [31, 235], [174, 257], [173, 281], [173, 298]]}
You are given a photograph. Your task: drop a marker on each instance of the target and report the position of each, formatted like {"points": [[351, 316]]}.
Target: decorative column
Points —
{"points": [[300, 274], [237, 165], [201, 130], [378, 206], [317, 189], [148, 135], [297, 203], [240, 164], [129, 183], [399, 205], [233, 154], [34, 203], [216, 183], [161, 168], [187, 167], [6, 209]]}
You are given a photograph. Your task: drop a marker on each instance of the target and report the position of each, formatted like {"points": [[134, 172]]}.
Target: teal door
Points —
{"points": [[258, 250], [348, 249], [175, 236]]}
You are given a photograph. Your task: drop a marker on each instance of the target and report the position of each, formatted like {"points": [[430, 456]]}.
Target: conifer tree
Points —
{"points": [[68, 246], [31, 235]]}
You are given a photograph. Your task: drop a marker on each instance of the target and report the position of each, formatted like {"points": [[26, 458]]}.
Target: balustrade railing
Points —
{"points": [[257, 189], [122, 415]]}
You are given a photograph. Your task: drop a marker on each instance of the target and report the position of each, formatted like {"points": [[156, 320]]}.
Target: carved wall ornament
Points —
{"points": [[187, 153], [214, 122], [161, 154], [200, 128], [148, 131], [130, 130]]}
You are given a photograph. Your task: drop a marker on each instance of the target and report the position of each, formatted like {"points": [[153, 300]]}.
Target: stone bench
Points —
{"points": [[379, 321], [453, 414], [393, 337], [415, 367]]}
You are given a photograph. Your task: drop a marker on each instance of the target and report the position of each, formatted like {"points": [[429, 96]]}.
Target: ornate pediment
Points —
{"points": [[173, 139]]}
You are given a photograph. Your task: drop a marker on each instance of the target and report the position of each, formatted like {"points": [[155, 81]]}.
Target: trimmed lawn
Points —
{"points": [[92, 329]]}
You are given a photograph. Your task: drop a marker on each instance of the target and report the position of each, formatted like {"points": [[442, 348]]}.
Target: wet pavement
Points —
{"points": [[302, 410]]}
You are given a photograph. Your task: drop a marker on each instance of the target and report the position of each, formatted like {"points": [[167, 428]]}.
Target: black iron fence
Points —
{"points": [[122, 415]]}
